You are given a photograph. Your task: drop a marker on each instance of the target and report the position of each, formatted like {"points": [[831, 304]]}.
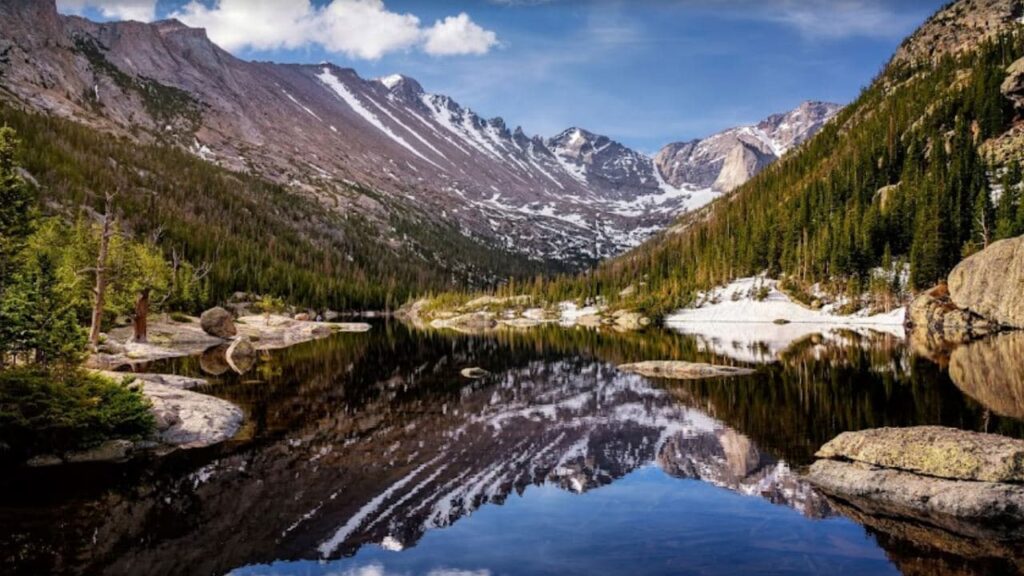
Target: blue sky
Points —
{"points": [[645, 72]]}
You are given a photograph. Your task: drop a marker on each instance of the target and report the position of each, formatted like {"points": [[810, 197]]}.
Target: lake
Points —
{"points": [[370, 454]]}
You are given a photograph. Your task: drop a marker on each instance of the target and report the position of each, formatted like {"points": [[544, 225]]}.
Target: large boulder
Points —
{"points": [[190, 420], [933, 451], [991, 283], [218, 322]]}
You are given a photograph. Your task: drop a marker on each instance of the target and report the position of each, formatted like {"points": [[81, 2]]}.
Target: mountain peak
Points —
{"points": [[402, 86]]}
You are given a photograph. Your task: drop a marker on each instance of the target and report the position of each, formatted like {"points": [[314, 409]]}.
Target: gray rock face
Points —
{"points": [[730, 158], [984, 509], [991, 283], [933, 451], [1013, 86], [742, 164], [218, 322], [189, 419]]}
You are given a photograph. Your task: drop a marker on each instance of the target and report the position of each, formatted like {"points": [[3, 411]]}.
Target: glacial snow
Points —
{"points": [[342, 91]]}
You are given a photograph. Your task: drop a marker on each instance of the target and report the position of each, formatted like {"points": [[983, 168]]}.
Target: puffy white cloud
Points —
{"points": [[357, 28], [142, 10], [458, 35], [366, 29]]}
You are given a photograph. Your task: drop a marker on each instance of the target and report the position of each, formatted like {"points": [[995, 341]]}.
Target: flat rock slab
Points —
{"points": [[987, 508], [933, 451], [189, 419], [169, 380], [275, 331], [677, 370]]}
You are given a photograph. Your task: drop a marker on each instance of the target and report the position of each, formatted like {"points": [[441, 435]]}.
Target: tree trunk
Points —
{"points": [[141, 316], [100, 291]]}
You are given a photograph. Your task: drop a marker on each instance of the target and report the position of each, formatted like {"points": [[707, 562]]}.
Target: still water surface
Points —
{"points": [[369, 454]]}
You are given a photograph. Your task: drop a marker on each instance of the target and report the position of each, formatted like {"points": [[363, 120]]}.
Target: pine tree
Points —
{"points": [[37, 317], [17, 206]]}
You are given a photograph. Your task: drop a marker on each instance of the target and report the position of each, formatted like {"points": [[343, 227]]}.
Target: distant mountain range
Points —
{"points": [[365, 147]]}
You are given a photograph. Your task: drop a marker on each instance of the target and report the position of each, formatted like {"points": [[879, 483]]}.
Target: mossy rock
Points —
{"points": [[933, 451]]}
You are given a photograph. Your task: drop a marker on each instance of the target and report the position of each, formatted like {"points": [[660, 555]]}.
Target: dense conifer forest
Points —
{"points": [[256, 236], [901, 179]]}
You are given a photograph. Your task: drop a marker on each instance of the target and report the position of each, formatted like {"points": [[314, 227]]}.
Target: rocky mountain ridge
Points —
{"points": [[724, 161], [357, 146]]}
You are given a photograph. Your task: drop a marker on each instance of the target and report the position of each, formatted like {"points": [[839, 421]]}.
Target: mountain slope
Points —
{"points": [[355, 147], [899, 177]]}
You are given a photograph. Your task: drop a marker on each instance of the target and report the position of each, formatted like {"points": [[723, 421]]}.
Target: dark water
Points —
{"points": [[369, 454]]}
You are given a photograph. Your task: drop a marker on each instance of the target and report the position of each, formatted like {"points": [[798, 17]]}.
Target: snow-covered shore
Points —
{"points": [[736, 323]]}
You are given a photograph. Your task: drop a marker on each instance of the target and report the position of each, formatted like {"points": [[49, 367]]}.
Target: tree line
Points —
{"points": [[906, 178]]}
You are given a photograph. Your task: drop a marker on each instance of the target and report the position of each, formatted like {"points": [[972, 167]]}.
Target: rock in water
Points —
{"points": [[677, 370], [191, 420], [474, 373], [218, 322], [991, 283], [979, 509], [933, 451]]}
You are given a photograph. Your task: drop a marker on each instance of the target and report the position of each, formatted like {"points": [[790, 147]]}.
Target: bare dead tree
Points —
{"points": [[100, 289]]}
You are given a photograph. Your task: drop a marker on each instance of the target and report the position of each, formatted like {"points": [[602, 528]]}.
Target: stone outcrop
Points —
{"points": [[678, 370], [991, 283], [978, 509], [991, 372], [191, 420], [962, 482], [935, 312], [218, 322], [933, 451], [1013, 85]]}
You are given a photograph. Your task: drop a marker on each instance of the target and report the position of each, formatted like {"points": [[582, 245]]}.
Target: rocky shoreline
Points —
{"points": [[185, 419], [966, 483]]}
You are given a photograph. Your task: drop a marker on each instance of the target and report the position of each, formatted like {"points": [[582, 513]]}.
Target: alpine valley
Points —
{"points": [[387, 171]]}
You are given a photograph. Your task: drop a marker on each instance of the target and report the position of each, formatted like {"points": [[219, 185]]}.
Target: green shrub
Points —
{"points": [[181, 318], [51, 412]]}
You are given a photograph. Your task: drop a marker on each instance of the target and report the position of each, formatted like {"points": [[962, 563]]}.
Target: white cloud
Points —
{"points": [[142, 10], [458, 35], [836, 19], [363, 29]]}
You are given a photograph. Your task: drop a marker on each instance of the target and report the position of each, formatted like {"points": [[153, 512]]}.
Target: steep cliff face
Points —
{"points": [[728, 159], [957, 27]]}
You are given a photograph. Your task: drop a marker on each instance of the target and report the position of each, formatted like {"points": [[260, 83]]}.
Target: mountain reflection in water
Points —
{"points": [[363, 444]]}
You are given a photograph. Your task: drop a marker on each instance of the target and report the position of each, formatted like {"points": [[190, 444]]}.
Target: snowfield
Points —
{"points": [[734, 323]]}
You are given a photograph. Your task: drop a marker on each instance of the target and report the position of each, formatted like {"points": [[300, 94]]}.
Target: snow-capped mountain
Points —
{"points": [[726, 160], [367, 147]]}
